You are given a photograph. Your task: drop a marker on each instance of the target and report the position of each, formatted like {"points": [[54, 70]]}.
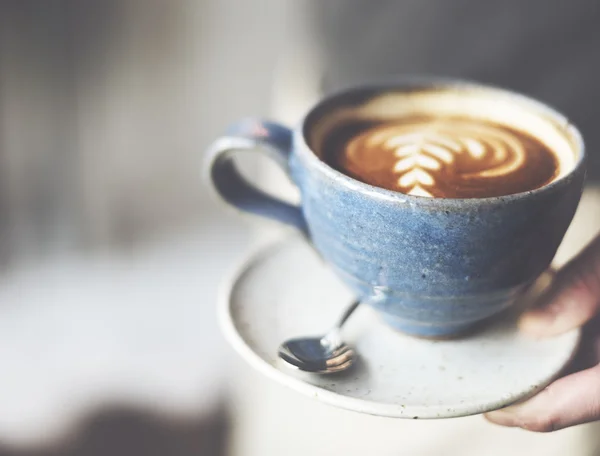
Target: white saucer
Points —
{"points": [[286, 291]]}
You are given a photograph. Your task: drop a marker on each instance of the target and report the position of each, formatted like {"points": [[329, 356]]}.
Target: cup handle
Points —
{"points": [[252, 135]]}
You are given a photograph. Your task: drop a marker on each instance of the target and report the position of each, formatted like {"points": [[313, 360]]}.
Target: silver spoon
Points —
{"points": [[322, 355]]}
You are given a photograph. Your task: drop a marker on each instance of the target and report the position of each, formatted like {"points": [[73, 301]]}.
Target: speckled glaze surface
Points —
{"points": [[432, 266], [287, 291]]}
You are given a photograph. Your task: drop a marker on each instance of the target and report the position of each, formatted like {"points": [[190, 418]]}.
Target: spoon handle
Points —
{"points": [[347, 314]]}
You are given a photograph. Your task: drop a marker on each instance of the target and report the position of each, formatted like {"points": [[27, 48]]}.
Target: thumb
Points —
{"points": [[571, 400], [573, 298]]}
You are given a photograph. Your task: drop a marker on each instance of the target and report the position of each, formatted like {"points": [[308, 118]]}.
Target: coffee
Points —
{"points": [[444, 157], [459, 142]]}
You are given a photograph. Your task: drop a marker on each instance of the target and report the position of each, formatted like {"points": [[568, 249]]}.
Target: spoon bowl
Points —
{"points": [[320, 355]]}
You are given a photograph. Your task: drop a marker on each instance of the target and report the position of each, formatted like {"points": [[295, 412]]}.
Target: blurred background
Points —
{"points": [[112, 249]]}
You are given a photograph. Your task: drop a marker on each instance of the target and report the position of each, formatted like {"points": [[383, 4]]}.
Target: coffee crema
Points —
{"points": [[442, 157]]}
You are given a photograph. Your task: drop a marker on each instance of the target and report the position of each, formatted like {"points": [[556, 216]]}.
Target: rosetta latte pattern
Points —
{"points": [[461, 150]]}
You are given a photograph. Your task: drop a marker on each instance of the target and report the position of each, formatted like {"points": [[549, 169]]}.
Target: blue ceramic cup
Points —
{"points": [[432, 267]]}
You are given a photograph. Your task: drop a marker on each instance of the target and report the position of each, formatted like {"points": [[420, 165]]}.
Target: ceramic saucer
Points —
{"points": [[286, 291]]}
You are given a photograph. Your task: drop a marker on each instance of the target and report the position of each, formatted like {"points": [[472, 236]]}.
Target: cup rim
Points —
{"points": [[303, 149]]}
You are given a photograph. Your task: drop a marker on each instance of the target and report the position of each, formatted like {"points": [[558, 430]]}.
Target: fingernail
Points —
{"points": [[537, 323], [504, 417]]}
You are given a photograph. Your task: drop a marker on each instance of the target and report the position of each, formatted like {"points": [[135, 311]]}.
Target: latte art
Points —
{"points": [[423, 148], [446, 157]]}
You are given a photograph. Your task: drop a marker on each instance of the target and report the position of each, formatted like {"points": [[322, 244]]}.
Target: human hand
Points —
{"points": [[573, 301]]}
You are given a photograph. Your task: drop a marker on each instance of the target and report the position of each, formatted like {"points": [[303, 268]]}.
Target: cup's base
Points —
{"points": [[511, 310], [446, 332]]}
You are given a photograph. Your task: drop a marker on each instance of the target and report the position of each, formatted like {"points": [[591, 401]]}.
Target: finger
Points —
{"points": [[573, 298], [588, 353], [567, 402]]}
